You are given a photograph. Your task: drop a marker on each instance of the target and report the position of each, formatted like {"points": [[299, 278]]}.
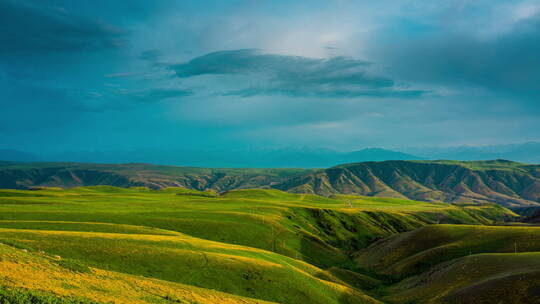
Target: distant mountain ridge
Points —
{"points": [[15, 175], [528, 152], [507, 183], [293, 157], [504, 182], [255, 158]]}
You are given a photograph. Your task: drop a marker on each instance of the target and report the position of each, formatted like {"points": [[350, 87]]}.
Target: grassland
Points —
{"points": [[458, 264], [243, 245], [413, 252], [37, 277]]}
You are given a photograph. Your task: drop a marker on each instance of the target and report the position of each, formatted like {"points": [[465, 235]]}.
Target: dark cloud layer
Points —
{"points": [[30, 28], [89, 74], [295, 76], [503, 63]]}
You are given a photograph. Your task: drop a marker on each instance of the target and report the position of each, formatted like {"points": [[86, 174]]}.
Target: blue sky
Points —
{"points": [[98, 75]]}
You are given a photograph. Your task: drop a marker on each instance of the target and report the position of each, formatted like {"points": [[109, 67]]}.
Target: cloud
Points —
{"points": [[294, 76], [326, 93], [30, 28], [505, 62], [157, 95]]}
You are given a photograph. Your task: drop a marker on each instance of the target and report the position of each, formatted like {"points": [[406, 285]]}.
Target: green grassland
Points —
{"points": [[316, 229], [412, 252], [252, 245], [40, 278], [458, 264]]}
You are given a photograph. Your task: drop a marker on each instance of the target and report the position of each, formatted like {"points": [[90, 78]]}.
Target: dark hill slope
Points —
{"points": [[507, 183], [459, 264], [481, 279], [27, 175], [534, 218]]}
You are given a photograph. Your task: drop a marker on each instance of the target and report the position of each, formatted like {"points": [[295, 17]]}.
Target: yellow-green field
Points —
{"points": [[103, 243]]}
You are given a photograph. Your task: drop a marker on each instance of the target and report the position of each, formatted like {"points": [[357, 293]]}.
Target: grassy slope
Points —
{"points": [[416, 251], [457, 264], [233, 269], [57, 282], [483, 278], [143, 232], [309, 227]]}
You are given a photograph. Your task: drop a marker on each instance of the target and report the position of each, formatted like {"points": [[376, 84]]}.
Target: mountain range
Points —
{"points": [[528, 152], [280, 157], [250, 158], [503, 182], [507, 183]]}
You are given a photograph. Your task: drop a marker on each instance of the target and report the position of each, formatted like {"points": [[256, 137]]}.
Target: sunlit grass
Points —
{"points": [[248, 243]]}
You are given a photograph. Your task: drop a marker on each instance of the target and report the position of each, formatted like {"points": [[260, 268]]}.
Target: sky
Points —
{"points": [[340, 74]]}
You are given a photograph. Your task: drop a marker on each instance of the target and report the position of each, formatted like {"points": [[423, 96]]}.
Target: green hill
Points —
{"points": [[510, 184], [456, 264], [40, 278], [507, 183], [483, 278], [15, 175], [258, 244], [415, 251]]}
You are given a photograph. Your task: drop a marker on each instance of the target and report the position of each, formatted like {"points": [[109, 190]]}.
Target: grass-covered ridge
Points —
{"points": [[456, 264], [507, 183], [242, 243], [413, 252], [508, 278], [22, 175]]}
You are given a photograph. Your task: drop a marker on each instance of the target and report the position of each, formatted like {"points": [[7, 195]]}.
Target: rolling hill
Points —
{"points": [[61, 281], [510, 184], [175, 245], [482, 278], [458, 264], [507, 183], [20, 175]]}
